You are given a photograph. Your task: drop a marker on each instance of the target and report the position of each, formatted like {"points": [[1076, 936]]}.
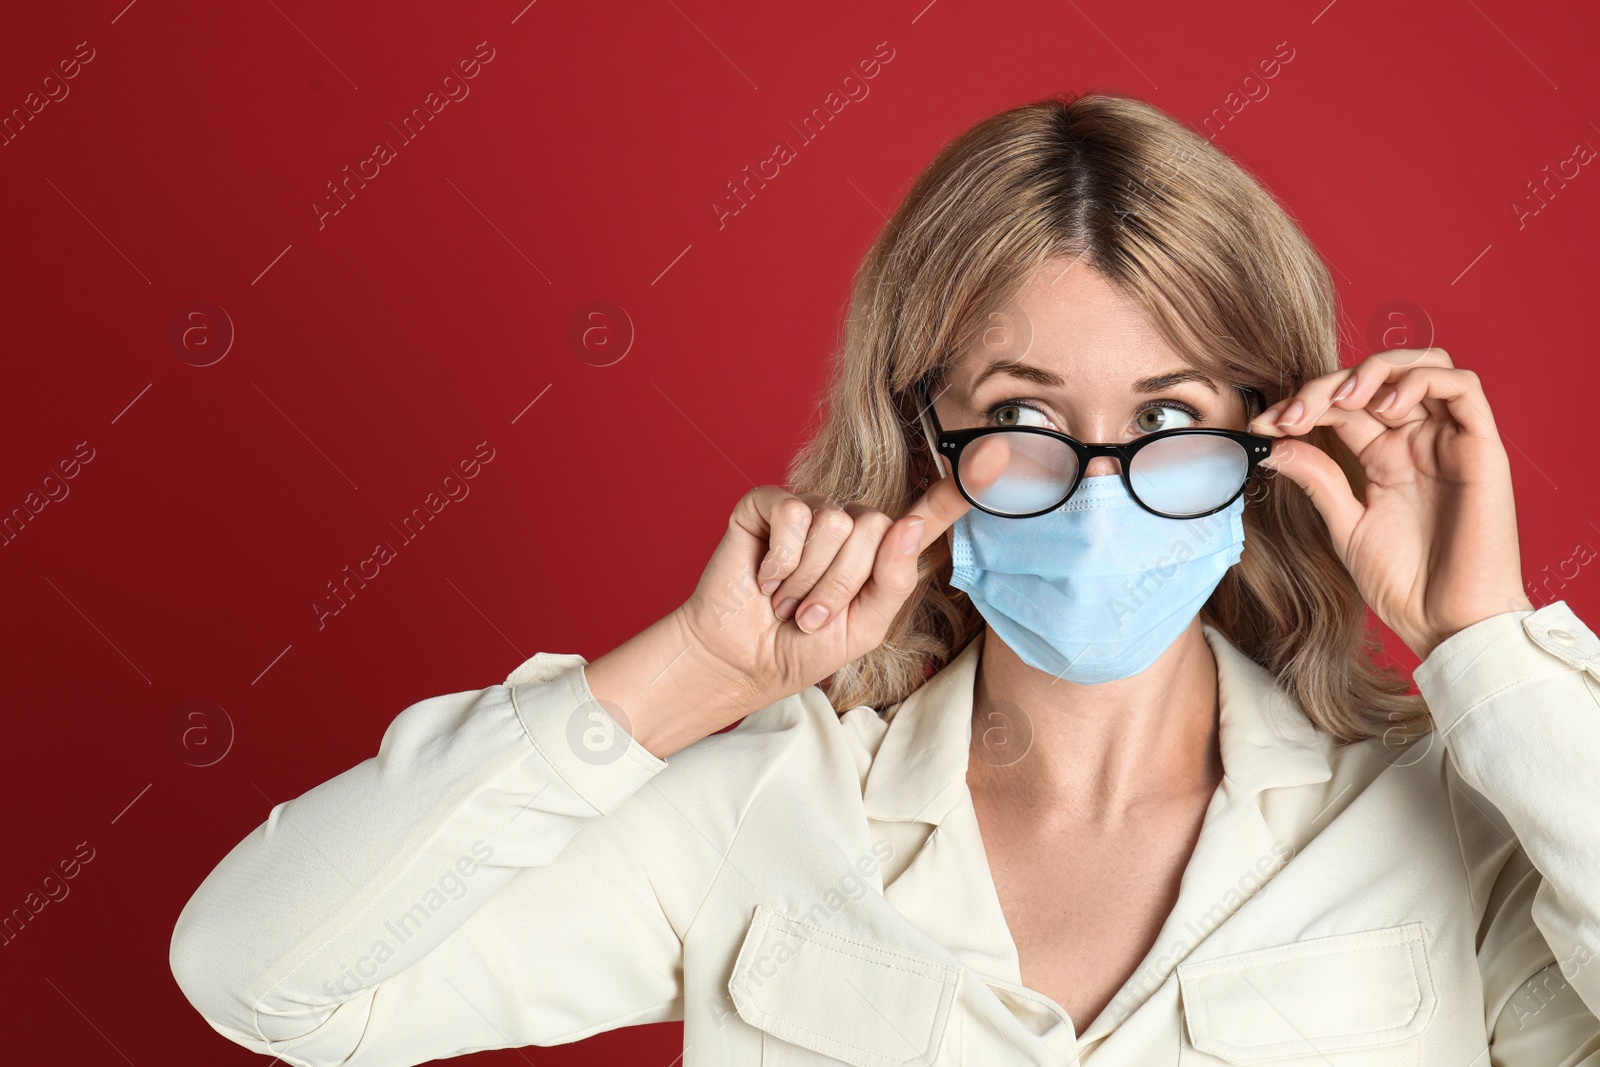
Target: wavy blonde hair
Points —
{"points": [[1226, 277]]}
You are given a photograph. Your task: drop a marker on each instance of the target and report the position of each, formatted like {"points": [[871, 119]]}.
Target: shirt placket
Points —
{"points": [[1233, 858], [946, 892]]}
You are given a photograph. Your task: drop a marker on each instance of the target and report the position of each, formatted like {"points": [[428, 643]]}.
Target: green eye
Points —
{"points": [[1163, 417], [1012, 413]]}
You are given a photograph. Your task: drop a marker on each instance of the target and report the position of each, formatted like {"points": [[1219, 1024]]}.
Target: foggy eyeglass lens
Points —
{"points": [[1189, 474], [1036, 476]]}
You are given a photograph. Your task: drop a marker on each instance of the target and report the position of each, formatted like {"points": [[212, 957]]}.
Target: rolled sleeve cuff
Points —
{"points": [[1499, 654], [592, 753]]}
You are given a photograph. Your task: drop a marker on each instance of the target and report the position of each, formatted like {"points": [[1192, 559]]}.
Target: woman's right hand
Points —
{"points": [[801, 586], [748, 636]]}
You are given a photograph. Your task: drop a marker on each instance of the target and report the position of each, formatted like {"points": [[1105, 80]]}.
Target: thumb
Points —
{"points": [[894, 576], [1324, 482]]}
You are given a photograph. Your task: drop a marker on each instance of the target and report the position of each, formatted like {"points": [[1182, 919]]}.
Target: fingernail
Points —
{"points": [[785, 609], [1345, 389], [1386, 401], [812, 618], [1292, 413], [769, 585], [911, 538]]}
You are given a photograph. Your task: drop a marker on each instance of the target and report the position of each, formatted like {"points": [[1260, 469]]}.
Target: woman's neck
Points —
{"points": [[1106, 749]]}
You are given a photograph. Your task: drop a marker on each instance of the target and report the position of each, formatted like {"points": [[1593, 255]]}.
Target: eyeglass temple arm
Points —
{"points": [[924, 408]]}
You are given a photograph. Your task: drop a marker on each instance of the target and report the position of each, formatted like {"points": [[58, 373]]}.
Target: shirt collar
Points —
{"points": [[920, 768]]}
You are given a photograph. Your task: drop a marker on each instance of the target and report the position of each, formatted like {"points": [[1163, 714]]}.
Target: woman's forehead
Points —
{"points": [[1079, 364], [1071, 322]]}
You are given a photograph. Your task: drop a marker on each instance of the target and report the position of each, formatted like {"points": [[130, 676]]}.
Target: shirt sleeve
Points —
{"points": [[1516, 698], [463, 889]]}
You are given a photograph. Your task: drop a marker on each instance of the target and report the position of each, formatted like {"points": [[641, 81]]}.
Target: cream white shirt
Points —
{"points": [[810, 888]]}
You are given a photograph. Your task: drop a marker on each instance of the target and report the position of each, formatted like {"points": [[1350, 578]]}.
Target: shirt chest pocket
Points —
{"points": [[825, 997], [1350, 999]]}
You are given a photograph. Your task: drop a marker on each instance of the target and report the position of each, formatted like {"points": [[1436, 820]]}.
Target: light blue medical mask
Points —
{"points": [[1098, 588]]}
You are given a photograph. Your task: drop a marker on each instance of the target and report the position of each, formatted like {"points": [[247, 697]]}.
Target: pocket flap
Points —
{"points": [[1327, 994], [866, 1004]]}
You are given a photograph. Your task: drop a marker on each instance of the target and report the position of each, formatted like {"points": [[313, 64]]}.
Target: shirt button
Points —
{"points": [[1566, 637]]}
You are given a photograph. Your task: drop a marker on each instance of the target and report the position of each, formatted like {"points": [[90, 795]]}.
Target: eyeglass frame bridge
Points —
{"points": [[951, 442]]}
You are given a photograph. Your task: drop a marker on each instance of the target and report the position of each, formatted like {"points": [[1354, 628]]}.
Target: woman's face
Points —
{"points": [[1075, 356]]}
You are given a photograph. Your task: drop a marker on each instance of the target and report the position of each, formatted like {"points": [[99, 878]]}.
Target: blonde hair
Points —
{"points": [[1225, 276]]}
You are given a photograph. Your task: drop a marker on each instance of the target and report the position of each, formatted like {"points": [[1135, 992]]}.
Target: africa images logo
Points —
{"points": [[451, 885], [343, 190]]}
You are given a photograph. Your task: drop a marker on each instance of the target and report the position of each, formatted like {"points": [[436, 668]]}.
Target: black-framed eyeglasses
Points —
{"points": [[1177, 474]]}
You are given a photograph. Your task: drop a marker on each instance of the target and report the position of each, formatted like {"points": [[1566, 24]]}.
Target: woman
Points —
{"points": [[1102, 772]]}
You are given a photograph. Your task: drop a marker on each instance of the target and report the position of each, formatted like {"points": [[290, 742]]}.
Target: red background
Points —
{"points": [[374, 353]]}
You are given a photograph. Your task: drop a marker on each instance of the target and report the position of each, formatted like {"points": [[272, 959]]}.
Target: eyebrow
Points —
{"points": [[1167, 381], [1052, 380]]}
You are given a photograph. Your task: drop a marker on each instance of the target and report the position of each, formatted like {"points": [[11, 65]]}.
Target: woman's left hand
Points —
{"points": [[1434, 548]]}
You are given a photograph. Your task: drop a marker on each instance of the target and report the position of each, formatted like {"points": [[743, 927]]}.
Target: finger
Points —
{"points": [[894, 571], [783, 558], [893, 577], [1347, 390], [1459, 391], [1345, 409], [777, 522], [1348, 412], [1324, 482], [837, 586], [1413, 394], [759, 516], [943, 503], [829, 527]]}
